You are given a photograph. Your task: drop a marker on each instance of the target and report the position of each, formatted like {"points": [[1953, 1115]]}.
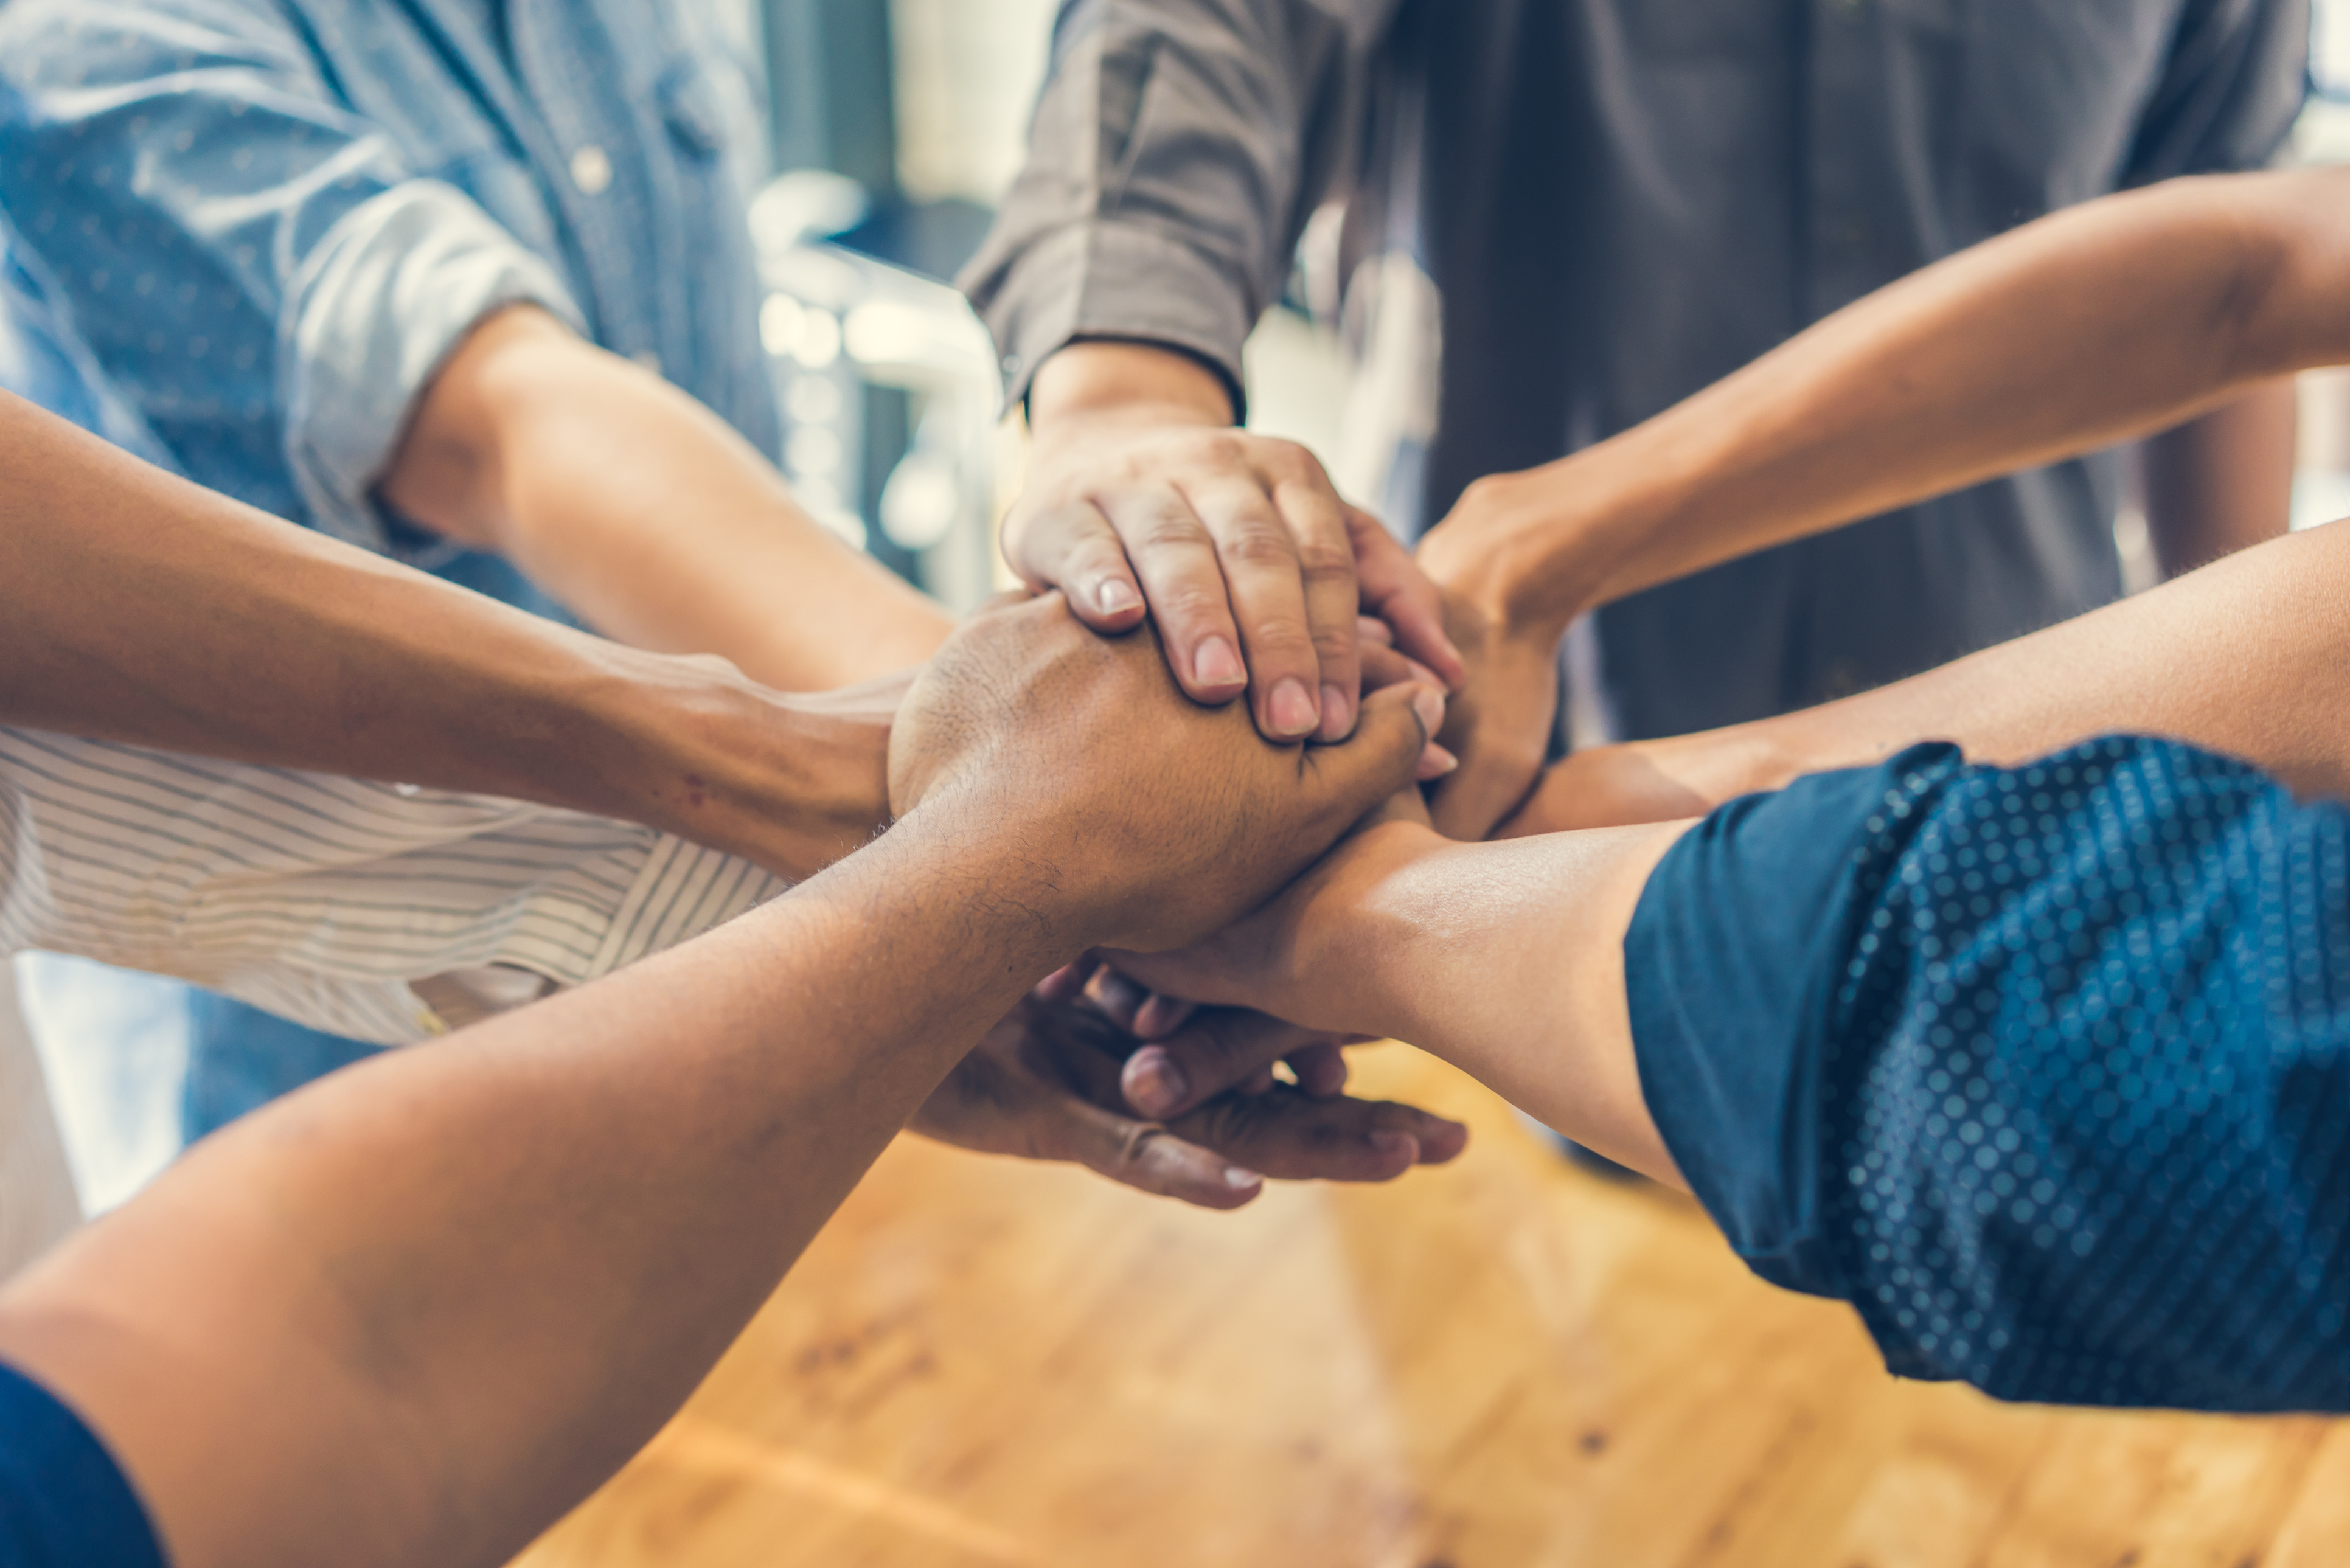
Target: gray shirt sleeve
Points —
{"points": [[1178, 148]]}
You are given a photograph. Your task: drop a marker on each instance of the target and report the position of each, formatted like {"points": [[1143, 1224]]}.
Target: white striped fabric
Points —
{"points": [[322, 898]]}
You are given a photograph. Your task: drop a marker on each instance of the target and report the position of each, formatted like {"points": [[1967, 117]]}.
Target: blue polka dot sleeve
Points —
{"points": [[2047, 1070]]}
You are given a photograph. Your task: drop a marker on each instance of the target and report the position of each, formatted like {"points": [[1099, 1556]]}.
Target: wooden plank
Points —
{"points": [[1505, 1363]]}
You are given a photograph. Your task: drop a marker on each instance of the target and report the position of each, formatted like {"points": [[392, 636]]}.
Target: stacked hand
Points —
{"points": [[1046, 1084]]}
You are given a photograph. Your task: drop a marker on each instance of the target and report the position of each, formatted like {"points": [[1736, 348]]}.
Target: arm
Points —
{"points": [[149, 610], [446, 1292], [2040, 1069], [314, 324], [225, 633], [2108, 321], [644, 512], [2222, 481], [1122, 291], [2250, 656]]}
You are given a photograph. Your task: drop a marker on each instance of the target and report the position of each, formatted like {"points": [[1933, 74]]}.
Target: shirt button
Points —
{"points": [[591, 170]]}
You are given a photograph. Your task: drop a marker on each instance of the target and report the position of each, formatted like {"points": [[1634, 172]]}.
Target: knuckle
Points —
{"points": [[1326, 560], [1259, 543]]}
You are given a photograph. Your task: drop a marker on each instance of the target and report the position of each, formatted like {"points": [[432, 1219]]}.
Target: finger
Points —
{"points": [[1162, 1016], [1222, 1048], [1395, 589], [1320, 1069], [1317, 527], [1175, 560], [1151, 1158], [1290, 1136], [1496, 775], [1371, 628], [1121, 998], [1383, 667], [1067, 982], [1393, 735], [1266, 582], [1076, 549]]}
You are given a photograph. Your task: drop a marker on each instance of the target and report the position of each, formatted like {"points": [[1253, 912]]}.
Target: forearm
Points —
{"points": [[2123, 316], [2250, 656], [645, 513], [150, 610], [449, 1292], [2222, 482]]}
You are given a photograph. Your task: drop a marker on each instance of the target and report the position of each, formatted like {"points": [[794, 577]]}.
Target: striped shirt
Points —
{"points": [[383, 912]]}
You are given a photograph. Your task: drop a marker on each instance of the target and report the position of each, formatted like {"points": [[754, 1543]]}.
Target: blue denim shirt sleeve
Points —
{"points": [[229, 241], [2047, 1070]]}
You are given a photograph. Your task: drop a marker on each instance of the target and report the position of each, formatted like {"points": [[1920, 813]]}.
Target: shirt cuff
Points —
{"points": [[1111, 278], [378, 304]]}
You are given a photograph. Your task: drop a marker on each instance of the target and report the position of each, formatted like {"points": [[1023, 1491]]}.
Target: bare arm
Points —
{"points": [[643, 511], [2111, 320], [413, 1313], [2250, 656], [2114, 319], [1506, 958], [2222, 481], [147, 610]]}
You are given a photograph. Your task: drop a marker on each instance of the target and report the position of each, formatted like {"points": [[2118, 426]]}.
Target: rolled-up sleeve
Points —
{"points": [[2045, 1070], [249, 261], [1178, 148]]}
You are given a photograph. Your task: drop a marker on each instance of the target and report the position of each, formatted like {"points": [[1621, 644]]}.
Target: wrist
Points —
{"points": [[1094, 382], [700, 752], [1360, 916]]}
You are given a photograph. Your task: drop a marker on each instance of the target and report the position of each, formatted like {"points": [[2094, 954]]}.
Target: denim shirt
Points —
{"points": [[270, 221]]}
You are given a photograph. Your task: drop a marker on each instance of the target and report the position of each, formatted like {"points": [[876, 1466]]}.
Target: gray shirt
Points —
{"points": [[1616, 203]]}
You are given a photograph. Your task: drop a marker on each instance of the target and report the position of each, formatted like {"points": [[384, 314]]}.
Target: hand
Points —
{"points": [[1140, 494], [1044, 1085], [1177, 1067], [1131, 815], [1500, 725]]}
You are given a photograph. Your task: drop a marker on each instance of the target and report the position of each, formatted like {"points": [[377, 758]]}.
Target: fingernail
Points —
{"points": [[1116, 596], [1290, 710], [1234, 1177], [1389, 1143], [1217, 665], [1154, 1084], [1337, 715], [1435, 762], [1429, 703]]}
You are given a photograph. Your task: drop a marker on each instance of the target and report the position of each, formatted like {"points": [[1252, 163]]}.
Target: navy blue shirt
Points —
{"points": [[2047, 1070], [64, 1503]]}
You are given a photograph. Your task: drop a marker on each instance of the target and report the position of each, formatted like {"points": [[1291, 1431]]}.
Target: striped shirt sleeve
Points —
{"points": [[339, 903]]}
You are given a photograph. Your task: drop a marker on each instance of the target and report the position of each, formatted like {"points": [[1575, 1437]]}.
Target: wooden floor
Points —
{"points": [[1500, 1364]]}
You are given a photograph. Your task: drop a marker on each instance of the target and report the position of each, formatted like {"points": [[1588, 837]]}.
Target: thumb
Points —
{"points": [[1383, 754]]}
